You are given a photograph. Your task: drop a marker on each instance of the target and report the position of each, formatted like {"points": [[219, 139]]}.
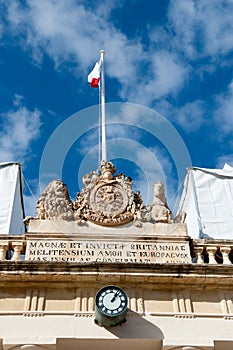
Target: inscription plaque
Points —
{"points": [[108, 251]]}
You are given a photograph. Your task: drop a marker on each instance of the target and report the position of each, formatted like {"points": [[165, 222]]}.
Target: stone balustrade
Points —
{"points": [[212, 252], [12, 247]]}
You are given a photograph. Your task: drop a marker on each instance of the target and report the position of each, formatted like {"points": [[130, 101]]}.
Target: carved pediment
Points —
{"points": [[106, 200]]}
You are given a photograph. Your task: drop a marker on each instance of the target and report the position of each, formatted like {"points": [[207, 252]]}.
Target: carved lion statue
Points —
{"points": [[55, 203]]}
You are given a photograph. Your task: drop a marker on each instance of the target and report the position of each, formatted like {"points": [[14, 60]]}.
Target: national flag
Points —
{"points": [[94, 77]]}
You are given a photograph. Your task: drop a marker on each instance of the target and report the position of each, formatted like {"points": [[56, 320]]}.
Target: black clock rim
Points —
{"points": [[105, 313]]}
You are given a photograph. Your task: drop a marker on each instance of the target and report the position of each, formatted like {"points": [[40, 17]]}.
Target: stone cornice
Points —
{"points": [[161, 275]]}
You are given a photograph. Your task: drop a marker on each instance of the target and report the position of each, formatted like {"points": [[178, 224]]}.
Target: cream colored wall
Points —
{"points": [[171, 306], [44, 308], [147, 299], [169, 331]]}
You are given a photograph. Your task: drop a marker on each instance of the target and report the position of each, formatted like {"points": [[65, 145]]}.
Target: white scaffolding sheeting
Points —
{"points": [[207, 200], [11, 199]]}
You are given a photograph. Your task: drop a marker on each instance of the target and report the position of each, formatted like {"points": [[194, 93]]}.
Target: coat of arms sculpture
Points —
{"points": [[106, 200]]}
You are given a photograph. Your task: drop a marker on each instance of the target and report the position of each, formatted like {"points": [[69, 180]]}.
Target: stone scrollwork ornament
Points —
{"points": [[107, 200]]}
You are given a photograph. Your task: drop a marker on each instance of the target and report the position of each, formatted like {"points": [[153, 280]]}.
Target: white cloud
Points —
{"points": [[155, 168], [170, 73], [223, 114], [71, 31], [153, 74], [202, 28], [165, 75], [191, 115], [19, 127], [223, 159], [113, 130], [88, 142]]}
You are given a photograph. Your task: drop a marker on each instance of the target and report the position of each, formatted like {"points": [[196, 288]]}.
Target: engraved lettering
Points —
{"points": [[108, 251]]}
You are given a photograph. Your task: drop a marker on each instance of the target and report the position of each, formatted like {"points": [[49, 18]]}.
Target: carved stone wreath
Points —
{"points": [[108, 199]]}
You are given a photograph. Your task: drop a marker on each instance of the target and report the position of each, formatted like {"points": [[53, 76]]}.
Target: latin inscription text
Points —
{"points": [[118, 252]]}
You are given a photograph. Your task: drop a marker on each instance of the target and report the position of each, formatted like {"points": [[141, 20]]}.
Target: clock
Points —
{"points": [[110, 306]]}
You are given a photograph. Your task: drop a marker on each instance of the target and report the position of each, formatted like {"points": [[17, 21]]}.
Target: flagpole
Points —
{"points": [[103, 115]]}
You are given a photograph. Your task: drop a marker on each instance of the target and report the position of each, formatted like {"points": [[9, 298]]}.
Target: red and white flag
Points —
{"points": [[94, 77]]}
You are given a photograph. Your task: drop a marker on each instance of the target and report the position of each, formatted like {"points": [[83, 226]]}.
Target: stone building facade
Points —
{"points": [[179, 289]]}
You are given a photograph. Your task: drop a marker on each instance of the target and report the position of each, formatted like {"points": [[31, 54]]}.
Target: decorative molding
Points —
{"points": [[33, 314], [106, 200]]}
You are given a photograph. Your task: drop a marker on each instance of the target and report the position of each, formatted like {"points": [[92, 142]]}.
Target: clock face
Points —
{"points": [[111, 301]]}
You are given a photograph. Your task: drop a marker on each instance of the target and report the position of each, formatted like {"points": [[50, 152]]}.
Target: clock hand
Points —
{"points": [[114, 297]]}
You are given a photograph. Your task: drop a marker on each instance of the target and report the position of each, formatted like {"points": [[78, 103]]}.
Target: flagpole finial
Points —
{"points": [[102, 52]]}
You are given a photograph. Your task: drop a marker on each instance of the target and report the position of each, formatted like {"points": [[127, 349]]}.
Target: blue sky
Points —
{"points": [[173, 58]]}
